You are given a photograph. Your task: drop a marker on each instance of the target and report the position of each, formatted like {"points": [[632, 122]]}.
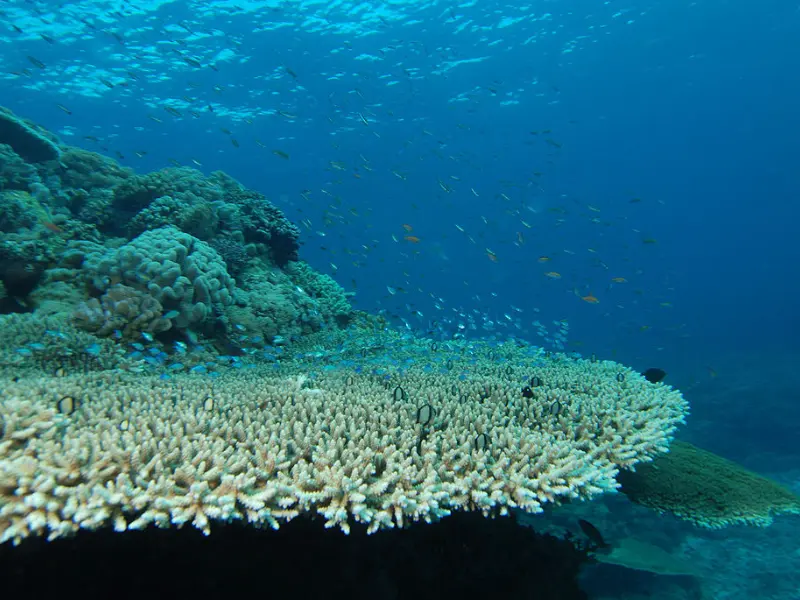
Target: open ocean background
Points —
{"points": [[654, 141]]}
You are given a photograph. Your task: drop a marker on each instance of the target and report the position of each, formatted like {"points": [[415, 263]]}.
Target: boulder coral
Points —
{"points": [[122, 311], [182, 274]]}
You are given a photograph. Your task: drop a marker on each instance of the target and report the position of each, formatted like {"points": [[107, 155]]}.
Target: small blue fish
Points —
{"points": [[93, 349], [175, 367], [135, 354], [24, 351], [147, 336], [138, 346], [36, 346], [199, 369], [171, 314], [57, 334], [164, 376], [180, 347]]}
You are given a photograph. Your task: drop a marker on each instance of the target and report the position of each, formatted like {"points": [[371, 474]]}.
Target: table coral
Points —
{"points": [[267, 446], [707, 489]]}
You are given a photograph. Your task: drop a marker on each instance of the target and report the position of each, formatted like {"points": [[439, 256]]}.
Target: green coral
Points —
{"points": [[188, 186], [15, 173], [199, 220], [272, 306], [20, 209], [706, 489]]}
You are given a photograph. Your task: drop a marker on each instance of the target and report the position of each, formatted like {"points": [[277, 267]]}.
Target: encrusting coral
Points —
{"points": [[706, 489], [267, 445]]}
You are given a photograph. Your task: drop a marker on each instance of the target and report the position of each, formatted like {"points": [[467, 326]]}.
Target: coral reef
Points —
{"points": [[706, 489], [267, 446], [73, 228]]}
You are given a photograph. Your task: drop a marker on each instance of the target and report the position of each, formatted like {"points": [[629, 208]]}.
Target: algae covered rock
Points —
{"points": [[29, 141]]}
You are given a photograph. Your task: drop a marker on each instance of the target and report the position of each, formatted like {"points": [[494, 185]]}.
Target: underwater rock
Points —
{"points": [[28, 141]]}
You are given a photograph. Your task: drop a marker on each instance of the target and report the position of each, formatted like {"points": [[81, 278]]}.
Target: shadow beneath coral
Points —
{"points": [[464, 556]]}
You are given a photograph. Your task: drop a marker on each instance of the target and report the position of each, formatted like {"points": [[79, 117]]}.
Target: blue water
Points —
{"points": [[667, 122]]}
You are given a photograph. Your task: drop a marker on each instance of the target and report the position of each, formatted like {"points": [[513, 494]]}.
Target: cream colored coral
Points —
{"points": [[268, 447]]}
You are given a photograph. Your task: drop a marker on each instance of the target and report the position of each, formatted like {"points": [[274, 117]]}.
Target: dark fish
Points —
{"points": [[591, 532], [654, 375], [36, 62]]}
